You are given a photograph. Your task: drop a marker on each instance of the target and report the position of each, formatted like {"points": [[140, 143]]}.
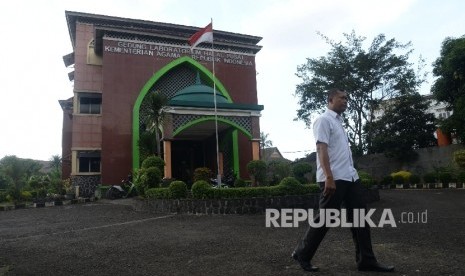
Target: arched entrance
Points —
{"points": [[189, 125]]}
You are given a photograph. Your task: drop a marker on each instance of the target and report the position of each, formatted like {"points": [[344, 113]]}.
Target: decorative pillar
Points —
{"points": [[167, 136], [255, 149], [167, 158], [221, 169], [255, 121]]}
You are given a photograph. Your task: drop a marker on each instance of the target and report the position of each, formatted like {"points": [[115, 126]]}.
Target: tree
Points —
{"points": [[370, 76], [264, 143], [155, 116], [18, 171], [55, 164], [302, 171], [449, 87], [404, 127], [277, 170]]}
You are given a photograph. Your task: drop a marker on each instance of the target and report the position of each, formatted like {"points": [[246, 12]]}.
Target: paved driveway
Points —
{"points": [[109, 238]]}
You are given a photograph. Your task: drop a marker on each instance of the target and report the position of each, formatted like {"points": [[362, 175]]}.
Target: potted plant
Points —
{"points": [[70, 192], [401, 179]]}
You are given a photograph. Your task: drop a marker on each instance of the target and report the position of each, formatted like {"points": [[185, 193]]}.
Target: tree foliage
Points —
{"points": [[155, 104], [16, 172], [264, 142], [369, 75], [277, 170], [449, 87], [404, 126]]}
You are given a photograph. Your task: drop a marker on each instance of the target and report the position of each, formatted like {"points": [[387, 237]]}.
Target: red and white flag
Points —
{"points": [[203, 35]]}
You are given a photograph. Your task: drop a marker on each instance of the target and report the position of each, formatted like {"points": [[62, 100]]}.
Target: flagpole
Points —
{"points": [[218, 176]]}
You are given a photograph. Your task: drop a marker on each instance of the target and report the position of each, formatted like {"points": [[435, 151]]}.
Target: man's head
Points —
{"points": [[337, 100]]}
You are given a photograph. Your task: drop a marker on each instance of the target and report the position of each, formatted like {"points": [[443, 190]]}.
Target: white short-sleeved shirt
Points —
{"points": [[328, 129]]}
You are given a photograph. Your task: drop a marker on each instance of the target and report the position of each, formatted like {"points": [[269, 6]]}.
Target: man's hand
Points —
{"points": [[330, 187]]}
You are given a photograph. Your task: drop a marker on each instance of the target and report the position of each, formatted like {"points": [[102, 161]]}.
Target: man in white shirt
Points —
{"points": [[340, 184]]}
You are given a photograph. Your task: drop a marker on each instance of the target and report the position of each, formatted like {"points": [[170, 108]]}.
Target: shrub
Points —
{"points": [[147, 179], [430, 177], [257, 170], [277, 170], [3, 196], [445, 177], [461, 177], [26, 196], [154, 161], [202, 173], [291, 185], [459, 158], [56, 186], [239, 182], [398, 179], [404, 174], [302, 171], [366, 179], [415, 179], [178, 189], [5, 181], [157, 193], [313, 188], [387, 180], [201, 189]]}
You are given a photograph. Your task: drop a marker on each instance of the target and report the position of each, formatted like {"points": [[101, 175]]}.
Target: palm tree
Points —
{"points": [[156, 102], [264, 142], [55, 162]]}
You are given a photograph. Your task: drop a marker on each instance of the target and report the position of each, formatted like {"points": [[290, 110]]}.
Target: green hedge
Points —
{"points": [[157, 193], [203, 190], [248, 192]]}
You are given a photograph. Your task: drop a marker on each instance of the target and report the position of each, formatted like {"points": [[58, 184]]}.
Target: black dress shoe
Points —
{"points": [[305, 265], [376, 267]]}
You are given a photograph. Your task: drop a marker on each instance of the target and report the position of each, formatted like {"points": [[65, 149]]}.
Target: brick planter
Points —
{"points": [[239, 206]]}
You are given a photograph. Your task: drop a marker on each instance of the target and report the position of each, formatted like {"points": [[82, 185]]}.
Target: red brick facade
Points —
{"points": [[103, 68]]}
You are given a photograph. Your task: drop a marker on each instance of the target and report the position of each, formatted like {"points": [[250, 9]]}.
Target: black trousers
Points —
{"points": [[348, 193]]}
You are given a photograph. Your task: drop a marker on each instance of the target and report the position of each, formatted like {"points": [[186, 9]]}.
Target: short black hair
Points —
{"points": [[333, 92]]}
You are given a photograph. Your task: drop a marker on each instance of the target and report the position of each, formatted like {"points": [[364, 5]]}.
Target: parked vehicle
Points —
{"points": [[126, 189], [226, 182]]}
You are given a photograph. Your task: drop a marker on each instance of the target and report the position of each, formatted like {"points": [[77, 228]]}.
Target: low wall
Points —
{"points": [[379, 166], [236, 206]]}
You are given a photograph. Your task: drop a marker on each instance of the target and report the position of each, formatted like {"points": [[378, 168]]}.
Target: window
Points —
{"points": [[90, 103], [88, 161]]}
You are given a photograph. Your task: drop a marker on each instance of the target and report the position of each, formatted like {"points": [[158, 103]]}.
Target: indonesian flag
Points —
{"points": [[203, 35]]}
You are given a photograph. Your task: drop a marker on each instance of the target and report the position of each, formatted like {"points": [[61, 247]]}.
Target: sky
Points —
{"points": [[35, 37]]}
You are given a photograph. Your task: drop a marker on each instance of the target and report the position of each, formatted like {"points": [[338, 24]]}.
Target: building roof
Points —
{"points": [[199, 92], [273, 153], [143, 29], [200, 95]]}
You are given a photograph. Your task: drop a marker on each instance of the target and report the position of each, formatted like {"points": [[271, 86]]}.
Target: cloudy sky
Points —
{"points": [[35, 37]]}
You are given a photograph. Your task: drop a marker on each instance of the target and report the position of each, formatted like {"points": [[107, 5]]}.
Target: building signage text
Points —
{"points": [[164, 51]]}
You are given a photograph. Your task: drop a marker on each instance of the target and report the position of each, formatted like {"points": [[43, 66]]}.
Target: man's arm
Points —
{"points": [[330, 186]]}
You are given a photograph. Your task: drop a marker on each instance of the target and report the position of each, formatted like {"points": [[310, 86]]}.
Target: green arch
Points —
{"points": [[135, 113], [211, 118]]}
